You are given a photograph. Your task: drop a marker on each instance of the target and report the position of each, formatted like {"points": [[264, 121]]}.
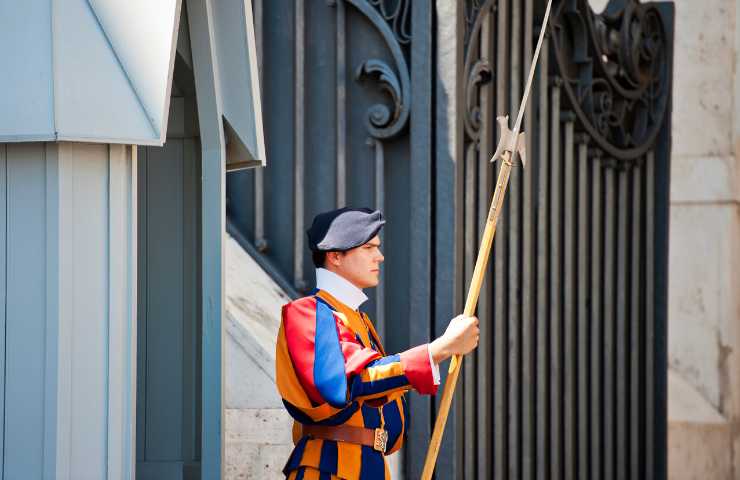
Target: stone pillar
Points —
{"points": [[69, 327], [704, 265]]}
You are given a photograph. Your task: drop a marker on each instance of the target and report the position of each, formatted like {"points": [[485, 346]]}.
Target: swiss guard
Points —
{"points": [[345, 394]]}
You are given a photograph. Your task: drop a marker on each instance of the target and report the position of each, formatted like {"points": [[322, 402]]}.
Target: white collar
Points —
{"points": [[339, 288]]}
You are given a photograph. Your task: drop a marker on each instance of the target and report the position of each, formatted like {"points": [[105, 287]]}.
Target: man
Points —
{"points": [[344, 392]]}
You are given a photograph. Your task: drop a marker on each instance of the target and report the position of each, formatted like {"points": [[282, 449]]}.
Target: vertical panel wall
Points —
{"points": [[26, 376], [69, 317], [169, 338]]}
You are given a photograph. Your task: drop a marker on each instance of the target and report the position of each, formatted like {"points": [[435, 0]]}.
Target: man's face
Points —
{"points": [[360, 265]]}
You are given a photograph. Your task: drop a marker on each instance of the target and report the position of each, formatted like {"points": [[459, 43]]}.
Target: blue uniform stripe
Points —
{"points": [[337, 419], [373, 464], [328, 368], [328, 459], [297, 413], [392, 417], [299, 475], [295, 458], [360, 388], [385, 360], [343, 416]]}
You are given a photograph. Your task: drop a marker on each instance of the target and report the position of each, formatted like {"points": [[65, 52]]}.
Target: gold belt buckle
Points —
{"points": [[381, 439]]}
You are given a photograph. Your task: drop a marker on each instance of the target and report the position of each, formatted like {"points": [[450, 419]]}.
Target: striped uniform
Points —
{"points": [[332, 370]]}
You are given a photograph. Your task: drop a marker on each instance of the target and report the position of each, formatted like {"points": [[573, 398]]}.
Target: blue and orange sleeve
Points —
{"points": [[333, 367]]}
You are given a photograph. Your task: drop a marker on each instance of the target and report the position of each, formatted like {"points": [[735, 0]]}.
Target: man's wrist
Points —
{"points": [[439, 350]]}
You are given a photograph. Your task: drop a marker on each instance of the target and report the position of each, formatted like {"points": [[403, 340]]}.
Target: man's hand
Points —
{"points": [[461, 337]]}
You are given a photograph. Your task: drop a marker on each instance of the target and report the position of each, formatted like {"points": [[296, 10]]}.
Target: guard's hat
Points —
{"points": [[343, 229]]}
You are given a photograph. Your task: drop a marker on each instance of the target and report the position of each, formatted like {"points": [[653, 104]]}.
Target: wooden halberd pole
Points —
{"points": [[510, 143]]}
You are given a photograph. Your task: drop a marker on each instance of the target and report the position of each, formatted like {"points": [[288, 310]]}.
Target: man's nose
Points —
{"points": [[381, 258]]}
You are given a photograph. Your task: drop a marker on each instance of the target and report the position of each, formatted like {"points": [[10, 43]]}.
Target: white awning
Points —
{"points": [[101, 71], [86, 70]]}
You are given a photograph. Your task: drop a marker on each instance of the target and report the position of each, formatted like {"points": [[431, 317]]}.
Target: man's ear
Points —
{"points": [[333, 258]]}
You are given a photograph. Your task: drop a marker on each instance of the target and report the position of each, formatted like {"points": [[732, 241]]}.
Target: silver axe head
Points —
{"points": [[510, 141]]}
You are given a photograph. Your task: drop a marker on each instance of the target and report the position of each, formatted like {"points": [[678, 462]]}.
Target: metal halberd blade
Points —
{"points": [[512, 140]]}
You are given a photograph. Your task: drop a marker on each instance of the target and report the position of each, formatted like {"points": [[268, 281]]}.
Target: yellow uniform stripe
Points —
{"points": [[380, 372], [311, 474], [312, 452], [348, 454]]}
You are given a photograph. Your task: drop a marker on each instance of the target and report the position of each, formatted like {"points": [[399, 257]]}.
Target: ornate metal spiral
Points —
{"points": [[383, 122], [614, 68], [477, 71], [398, 14]]}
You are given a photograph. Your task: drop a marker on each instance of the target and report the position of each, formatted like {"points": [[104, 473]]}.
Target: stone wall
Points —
{"points": [[704, 262], [258, 439]]}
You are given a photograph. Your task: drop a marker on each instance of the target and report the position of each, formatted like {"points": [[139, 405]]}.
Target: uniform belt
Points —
{"points": [[371, 437]]}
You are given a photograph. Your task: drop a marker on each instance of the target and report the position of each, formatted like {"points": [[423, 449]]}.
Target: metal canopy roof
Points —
{"points": [[96, 70], [101, 71]]}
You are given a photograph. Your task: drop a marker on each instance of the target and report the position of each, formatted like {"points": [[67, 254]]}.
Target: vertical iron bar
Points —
{"points": [[609, 412], [341, 105], [485, 347], [500, 374], [649, 315], [543, 166], [569, 289], [596, 318], [556, 346], [457, 240], [528, 270], [514, 233], [469, 372], [636, 408], [300, 147], [380, 205], [420, 174], [622, 365], [583, 170]]}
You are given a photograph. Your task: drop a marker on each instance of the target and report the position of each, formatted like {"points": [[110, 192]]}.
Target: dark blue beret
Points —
{"points": [[343, 229]]}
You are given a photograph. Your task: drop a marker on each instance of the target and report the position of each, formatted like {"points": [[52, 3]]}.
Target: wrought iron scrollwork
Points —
{"points": [[472, 12], [477, 71], [480, 74], [383, 122], [614, 67], [398, 14]]}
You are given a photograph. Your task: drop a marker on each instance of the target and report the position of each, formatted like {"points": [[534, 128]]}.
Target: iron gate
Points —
{"points": [[569, 380]]}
